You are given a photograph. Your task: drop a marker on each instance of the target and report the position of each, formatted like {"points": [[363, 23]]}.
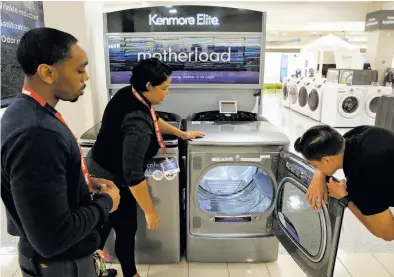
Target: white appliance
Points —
{"points": [[286, 91], [343, 106], [372, 95], [315, 99], [303, 96], [294, 91]]}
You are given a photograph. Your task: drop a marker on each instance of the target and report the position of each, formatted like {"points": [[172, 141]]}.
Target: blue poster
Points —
{"points": [[17, 17], [283, 66]]}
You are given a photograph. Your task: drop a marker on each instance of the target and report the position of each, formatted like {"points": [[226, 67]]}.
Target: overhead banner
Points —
{"points": [[184, 19], [17, 17], [380, 20]]}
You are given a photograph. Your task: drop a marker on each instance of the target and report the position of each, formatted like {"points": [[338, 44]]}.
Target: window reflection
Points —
{"points": [[235, 190], [301, 222]]}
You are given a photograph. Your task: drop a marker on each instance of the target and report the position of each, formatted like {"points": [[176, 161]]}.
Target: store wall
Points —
{"points": [[70, 17], [380, 51]]}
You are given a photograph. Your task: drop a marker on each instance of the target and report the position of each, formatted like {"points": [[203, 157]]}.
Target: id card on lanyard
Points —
{"points": [[34, 95], [170, 166]]}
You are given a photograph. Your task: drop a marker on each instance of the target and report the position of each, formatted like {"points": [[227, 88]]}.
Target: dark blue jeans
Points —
{"points": [[83, 267]]}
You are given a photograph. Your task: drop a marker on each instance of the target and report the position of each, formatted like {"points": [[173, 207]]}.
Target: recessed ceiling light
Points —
{"points": [[173, 11]]}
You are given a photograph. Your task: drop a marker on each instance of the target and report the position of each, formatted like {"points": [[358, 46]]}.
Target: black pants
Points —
{"points": [[83, 267], [123, 220]]}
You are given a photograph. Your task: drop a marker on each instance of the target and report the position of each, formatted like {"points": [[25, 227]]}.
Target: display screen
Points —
{"points": [[194, 59], [17, 17]]}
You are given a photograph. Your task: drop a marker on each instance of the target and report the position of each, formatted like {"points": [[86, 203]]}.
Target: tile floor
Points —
{"points": [[360, 254]]}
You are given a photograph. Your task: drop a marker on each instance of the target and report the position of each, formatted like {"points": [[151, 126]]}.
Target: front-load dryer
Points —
{"points": [[246, 192], [372, 96], [315, 99], [343, 106], [285, 92], [294, 92], [303, 95]]}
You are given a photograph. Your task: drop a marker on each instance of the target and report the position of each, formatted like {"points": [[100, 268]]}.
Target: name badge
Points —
{"points": [[170, 166]]}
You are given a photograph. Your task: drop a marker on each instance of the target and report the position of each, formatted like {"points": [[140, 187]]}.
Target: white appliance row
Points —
{"points": [[338, 105]]}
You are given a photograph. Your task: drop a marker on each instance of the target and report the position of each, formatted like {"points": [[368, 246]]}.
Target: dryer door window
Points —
{"points": [[349, 106], [285, 92], [313, 100], [293, 94], [235, 190], [372, 106], [309, 236], [303, 97]]}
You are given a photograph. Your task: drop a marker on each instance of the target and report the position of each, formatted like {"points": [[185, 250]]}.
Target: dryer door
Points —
{"points": [[349, 105], [309, 236], [372, 105], [313, 100]]}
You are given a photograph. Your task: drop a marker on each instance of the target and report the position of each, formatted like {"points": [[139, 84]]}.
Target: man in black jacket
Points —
{"points": [[44, 180], [366, 155]]}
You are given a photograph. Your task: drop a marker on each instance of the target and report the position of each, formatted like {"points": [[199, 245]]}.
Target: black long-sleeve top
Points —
{"points": [[47, 200], [127, 138]]}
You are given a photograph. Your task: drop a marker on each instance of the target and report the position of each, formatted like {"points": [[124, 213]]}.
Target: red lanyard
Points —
{"points": [[44, 104], [156, 124]]}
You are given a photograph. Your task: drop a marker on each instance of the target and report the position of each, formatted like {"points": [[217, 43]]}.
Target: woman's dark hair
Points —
{"points": [[318, 142], [150, 70]]}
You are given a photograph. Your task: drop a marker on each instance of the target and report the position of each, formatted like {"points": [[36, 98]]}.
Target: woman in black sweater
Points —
{"points": [[126, 142]]}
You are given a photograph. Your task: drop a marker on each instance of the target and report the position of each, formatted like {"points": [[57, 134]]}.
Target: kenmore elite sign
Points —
{"points": [[184, 19]]}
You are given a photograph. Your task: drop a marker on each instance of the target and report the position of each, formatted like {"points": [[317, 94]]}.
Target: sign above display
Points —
{"points": [[380, 20], [185, 19], [200, 19]]}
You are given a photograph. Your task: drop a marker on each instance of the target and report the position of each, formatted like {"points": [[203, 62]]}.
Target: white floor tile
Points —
{"points": [[387, 260], [249, 270], [285, 266], [18, 274], [8, 265], [363, 265], [142, 269], [179, 270], [340, 270], [208, 270]]}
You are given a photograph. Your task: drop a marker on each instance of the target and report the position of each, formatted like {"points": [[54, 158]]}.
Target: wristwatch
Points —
{"points": [[344, 202]]}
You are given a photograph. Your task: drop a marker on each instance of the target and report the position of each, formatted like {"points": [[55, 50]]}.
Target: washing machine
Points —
{"points": [[303, 95], [372, 96], [294, 92], [285, 91], [315, 99], [161, 246], [342, 106], [246, 192]]}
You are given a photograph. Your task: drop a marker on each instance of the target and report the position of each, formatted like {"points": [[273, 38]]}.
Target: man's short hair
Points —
{"points": [[320, 141], [43, 46]]}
